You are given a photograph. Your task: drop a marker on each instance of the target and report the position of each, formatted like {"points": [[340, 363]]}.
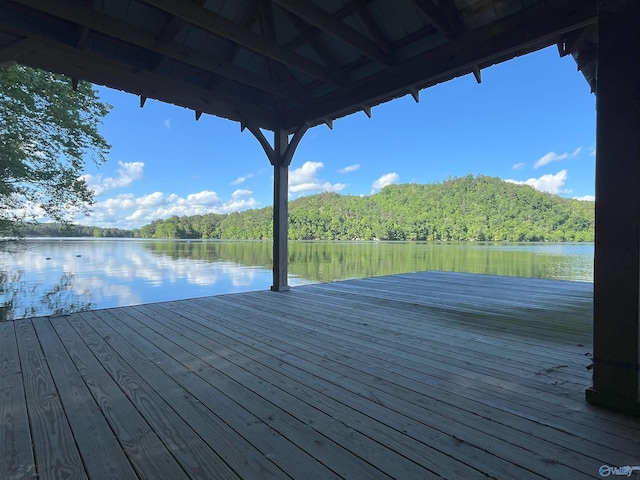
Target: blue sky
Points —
{"points": [[531, 120]]}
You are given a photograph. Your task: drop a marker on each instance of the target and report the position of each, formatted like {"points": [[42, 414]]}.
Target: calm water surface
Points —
{"points": [[57, 276]]}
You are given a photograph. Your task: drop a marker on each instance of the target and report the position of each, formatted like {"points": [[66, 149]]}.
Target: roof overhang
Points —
{"points": [[280, 64]]}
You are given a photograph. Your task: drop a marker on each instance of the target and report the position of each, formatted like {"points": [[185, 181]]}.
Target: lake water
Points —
{"points": [[57, 276]]}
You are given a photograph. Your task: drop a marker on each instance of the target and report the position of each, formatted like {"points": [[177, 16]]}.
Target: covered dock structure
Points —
{"points": [[284, 66]]}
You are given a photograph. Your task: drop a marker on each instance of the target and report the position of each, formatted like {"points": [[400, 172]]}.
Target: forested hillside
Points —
{"points": [[55, 229], [460, 209]]}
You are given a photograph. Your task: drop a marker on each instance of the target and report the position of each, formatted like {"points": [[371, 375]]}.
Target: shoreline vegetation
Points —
{"points": [[470, 208]]}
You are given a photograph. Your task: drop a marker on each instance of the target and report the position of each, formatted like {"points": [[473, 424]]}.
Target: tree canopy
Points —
{"points": [[48, 129], [460, 209]]}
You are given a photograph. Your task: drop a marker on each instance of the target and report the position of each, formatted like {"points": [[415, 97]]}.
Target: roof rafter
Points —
{"points": [[517, 34], [310, 34], [575, 41], [150, 85], [316, 16], [220, 26], [168, 33], [144, 83], [87, 18], [374, 28], [278, 71], [453, 17], [9, 53], [440, 19]]}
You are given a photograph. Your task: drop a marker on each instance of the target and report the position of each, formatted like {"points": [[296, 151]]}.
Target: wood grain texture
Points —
{"points": [[16, 452], [56, 451], [423, 375], [101, 453]]}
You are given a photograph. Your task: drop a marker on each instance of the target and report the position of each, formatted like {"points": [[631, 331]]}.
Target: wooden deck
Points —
{"points": [[414, 376]]}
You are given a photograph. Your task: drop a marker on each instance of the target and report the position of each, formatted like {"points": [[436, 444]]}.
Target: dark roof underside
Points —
{"points": [[285, 63]]}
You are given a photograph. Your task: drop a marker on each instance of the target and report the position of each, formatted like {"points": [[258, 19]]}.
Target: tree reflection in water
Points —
{"points": [[21, 299]]}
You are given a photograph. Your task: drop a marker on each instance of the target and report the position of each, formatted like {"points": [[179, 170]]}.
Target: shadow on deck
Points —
{"points": [[412, 376]]}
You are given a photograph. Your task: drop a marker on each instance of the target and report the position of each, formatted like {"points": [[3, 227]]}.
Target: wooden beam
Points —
{"points": [[168, 33], [531, 29], [380, 38], [415, 93], [315, 15], [115, 28], [279, 73], [220, 26], [452, 14], [438, 17], [310, 34], [574, 41], [477, 73], [588, 54], [12, 52], [173, 26], [81, 64]]}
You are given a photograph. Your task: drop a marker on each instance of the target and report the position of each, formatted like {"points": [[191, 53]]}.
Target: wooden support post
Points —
{"points": [[280, 156], [280, 212], [616, 343]]}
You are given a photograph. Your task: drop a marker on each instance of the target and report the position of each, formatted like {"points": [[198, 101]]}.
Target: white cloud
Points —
{"points": [[119, 203], [547, 183], [384, 180], [241, 193], [128, 211], [236, 206], [126, 175], [305, 174], [586, 198], [203, 198], [243, 179], [518, 166], [304, 180], [350, 168], [554, 157], [167, 124], [155, 198]]}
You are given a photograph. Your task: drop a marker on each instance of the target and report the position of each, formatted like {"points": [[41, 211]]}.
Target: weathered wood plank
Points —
{"points": [[55, 448], [482, 305], [146, 452], [99, 448], [274, 359], [210, 428], [361, 429], [411, 330], [525, 429], [16, 452], [286, 448], [197, 459]]}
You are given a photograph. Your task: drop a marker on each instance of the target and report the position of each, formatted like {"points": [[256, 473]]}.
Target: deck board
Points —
{"points": [[54, 447], [423, 375], [16, 453]]}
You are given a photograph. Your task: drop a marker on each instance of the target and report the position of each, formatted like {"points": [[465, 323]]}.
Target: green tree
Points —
{"points": [[459, 209], [47, 131]]}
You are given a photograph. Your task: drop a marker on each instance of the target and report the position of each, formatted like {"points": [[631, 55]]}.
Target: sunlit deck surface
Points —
{"points": [[412, 376]]}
